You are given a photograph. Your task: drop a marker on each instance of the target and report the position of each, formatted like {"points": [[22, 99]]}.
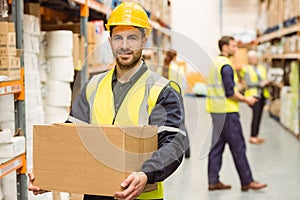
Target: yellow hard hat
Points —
{"points": [[129, 13]]}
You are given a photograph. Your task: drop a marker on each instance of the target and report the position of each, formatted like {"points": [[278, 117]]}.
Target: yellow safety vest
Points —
{"points": [[134, 110], [216, 101], [253, 91]]}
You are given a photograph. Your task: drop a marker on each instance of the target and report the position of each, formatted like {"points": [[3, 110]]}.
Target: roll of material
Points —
{"points": [[56, 114], [61, 69], [7, 108], [60, 43], [58, 93]]}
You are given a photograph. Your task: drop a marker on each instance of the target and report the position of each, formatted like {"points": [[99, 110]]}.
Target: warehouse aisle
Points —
{"points": [[277, 162]]}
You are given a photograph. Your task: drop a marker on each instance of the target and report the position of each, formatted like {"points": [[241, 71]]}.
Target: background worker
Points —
{"points": [[222, 104], [255, 76], [172, 71], [130, 94]]}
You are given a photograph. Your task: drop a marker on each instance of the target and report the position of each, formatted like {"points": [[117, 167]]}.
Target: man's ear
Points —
{"points": [[109, 40], [144, 41]]}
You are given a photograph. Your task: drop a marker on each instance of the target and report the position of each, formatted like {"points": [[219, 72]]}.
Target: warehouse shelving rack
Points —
{"points": [[284, 57], [17, 87]]}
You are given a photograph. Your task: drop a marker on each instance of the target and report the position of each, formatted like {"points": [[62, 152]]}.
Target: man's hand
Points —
{"points": [[36, 190], [265, 83], [251, 100], [134, 184]]}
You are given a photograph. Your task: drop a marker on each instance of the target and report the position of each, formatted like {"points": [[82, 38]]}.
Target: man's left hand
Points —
{"points": [[134, 184]]}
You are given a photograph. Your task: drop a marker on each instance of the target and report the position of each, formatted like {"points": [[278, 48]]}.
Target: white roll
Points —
{"points": [[56, 114], [61, 69], [58, 93], [7, 108], [60, 43]]}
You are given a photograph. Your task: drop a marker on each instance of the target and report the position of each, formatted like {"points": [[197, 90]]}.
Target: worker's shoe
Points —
{"points": [[254, 185], [219, 186], [256, 140]]}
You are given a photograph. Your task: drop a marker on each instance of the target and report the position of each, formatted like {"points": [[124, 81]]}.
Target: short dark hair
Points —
{"points": [[224, 41], [143, 31]]}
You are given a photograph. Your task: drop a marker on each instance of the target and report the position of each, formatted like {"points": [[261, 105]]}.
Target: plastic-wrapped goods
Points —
{"points": [[3, 8], [58, 94], [7, 108], [32, 25], [32, 80], [56, 114], [61, 69], [60, 43]]}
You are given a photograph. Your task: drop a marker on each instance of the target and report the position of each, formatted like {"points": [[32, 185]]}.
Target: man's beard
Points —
{"points": [[136, 58]]}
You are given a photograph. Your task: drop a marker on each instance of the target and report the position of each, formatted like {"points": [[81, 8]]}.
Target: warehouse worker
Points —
{"points": [[255, 76], [172, 71], [107, 97], [222, 104]]}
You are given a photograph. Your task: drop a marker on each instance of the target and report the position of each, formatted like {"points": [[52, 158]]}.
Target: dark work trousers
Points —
{"points": [[227, 129], [257, 110], [93, 197]]}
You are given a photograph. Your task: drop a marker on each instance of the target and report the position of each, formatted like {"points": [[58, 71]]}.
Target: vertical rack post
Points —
{"points": [[20, 122], [84, 13]]}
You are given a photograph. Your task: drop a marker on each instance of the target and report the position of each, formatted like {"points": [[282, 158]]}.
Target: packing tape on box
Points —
{"points": [[56, 114], [61, 69], [60, 43], [58, 93]]}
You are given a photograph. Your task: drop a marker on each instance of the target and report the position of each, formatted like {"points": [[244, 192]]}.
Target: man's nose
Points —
{"points": [[125, 43]]}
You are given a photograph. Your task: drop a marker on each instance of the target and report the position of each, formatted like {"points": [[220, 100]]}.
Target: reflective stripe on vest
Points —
{"points": [[216, 101], [253, 91], [134, 110]]}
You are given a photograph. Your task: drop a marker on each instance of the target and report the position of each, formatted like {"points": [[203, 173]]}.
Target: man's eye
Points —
{"points": [[132, 38], [117, 38]]}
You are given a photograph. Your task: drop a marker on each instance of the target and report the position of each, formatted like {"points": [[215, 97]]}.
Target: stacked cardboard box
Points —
{"points": [[91, 39], [9, 60]]}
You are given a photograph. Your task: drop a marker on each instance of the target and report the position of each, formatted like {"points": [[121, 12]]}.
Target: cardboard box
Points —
{"points": [[13, 148], [11, 73], [7, 38], [91, 33], [76, 51], [9, 62], [32, 9], [91, 54], [82, 57], [87, 159], [240, 59]]}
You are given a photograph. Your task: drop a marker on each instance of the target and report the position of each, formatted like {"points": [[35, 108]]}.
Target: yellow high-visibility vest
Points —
{"points": [[253, 91], [134, 110], [176, 73], [216, 101]]}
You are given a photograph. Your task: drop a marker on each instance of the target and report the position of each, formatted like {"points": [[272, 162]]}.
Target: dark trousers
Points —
{"points": [[227, 129], [93, 197], [257, 110]]}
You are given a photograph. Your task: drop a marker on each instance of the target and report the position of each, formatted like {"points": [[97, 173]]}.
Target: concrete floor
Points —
{"points": [[276, 162]]}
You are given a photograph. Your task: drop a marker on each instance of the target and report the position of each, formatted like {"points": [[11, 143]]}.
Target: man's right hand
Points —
{"points": [[251, 100], [36, 190]]}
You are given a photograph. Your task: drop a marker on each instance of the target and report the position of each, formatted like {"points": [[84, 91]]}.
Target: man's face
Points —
{"points": [[253, 60], [232, 48], [127, 43]]}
